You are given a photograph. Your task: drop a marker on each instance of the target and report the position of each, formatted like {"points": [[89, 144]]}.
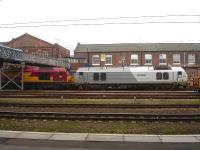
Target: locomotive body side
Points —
{"points": [[131, 76], [45, 78], [44, 74]]}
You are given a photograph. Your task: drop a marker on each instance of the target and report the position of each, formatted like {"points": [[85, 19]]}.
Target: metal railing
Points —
{"points": [[11, 54], [37, 59]]}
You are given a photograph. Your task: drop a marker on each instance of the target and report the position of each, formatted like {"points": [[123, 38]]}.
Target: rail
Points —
{"points": [[101, 95], [128, 106], [101, 116]]}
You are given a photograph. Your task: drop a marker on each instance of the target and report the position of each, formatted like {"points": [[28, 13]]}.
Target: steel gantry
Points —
{"points": [[9, 80]]}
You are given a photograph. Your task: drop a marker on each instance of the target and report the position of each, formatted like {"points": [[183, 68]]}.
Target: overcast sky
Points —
{"points": [[78, 30]]}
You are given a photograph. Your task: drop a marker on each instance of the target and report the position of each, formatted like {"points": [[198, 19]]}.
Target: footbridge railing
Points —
{"points": [[8, 54]]}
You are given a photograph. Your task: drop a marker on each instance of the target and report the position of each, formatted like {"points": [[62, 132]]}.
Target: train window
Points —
{"points": [[103, 76], [179, 73], [80, 73], [44, 76], [159, 76], [165, 76], [96, 76]]}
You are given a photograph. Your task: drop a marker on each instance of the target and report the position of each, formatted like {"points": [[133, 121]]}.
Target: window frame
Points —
{"points": [[134, 58], [93, 57], [108, 56], [148, 59], [162, 58], [176, 62], [194, 59]]}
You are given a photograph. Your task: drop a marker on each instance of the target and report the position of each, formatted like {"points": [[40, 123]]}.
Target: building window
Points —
{"points": [[33, 56], [82, 60], [33, 53], [148, 59], [162, 58], [108, 60], [95, 60], [191, 58], [134, 59], [176, 58], [74, 60], [45, 54]]}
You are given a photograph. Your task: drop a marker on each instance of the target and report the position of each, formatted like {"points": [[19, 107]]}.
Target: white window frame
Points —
{"points": [[45, 54], [176, 58], [191, 59], [33, 56], [162, 59], [108, 63], [134, 59], [148, 57], [95, 63]]}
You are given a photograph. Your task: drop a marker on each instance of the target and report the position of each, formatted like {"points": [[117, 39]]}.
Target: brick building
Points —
{"points": [[35, 46], [186, 55]]}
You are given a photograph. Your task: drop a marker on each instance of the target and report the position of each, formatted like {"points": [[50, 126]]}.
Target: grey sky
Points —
{"points": [[21, 11]]}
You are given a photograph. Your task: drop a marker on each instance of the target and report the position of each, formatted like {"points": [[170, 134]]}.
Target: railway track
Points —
{"points": [[102, 94], [101, 116], [128, 106]]}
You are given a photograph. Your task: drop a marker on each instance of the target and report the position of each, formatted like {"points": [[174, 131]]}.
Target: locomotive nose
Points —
{"points": [[184, 80]]}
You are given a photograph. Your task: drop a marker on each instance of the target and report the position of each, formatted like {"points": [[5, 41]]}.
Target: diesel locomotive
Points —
{"points": [[131, 77]]}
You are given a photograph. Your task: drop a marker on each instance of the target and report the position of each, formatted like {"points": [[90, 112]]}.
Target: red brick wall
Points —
{"points": [[117, 57], [30, 44]]}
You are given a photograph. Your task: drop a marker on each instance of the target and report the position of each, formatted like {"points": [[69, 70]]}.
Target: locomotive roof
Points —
{"points": [[124, 69], [44, 69]]}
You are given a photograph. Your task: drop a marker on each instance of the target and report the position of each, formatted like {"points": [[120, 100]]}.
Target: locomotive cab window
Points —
{"points": [[96, 76], [103, 76], [80, 74], [159, 76], [166, 76], [44, 76], [179, 73]]}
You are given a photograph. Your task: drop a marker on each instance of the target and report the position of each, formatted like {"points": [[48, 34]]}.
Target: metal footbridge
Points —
{"points": [[13, 55]]}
